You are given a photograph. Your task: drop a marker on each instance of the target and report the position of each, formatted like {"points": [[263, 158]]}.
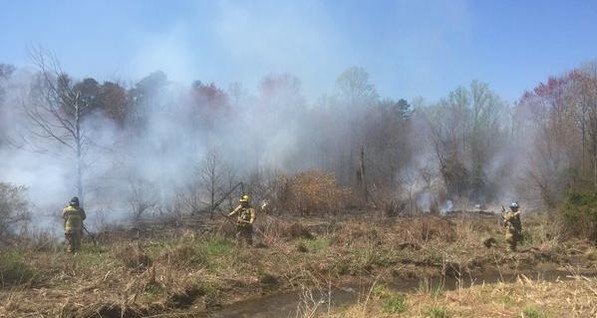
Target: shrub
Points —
{"points": [[311, 192], [13, 270], [579, 214]]}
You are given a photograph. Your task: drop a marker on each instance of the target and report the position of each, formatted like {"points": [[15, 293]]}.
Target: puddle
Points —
{"points": [[288, 304]]}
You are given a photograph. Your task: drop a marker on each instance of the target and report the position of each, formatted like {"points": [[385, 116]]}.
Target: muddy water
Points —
{"points": [[288, 304], [292, 304]]}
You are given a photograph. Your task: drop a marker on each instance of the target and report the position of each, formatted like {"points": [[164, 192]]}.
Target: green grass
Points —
{"points": [[317, 245], [506, 300], [394, 304], [155, 248], [153, 290], [427, 286], [367, 258], [532, 313], [437, 312], [391, 302], [217, 246], [434, 256], [528, 239], [13, 269], [95, 256]]}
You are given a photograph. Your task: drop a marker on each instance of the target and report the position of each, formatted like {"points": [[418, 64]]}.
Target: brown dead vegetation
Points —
{"points": [[574, 296], [191, 271], [310, 193], [133, 257]]}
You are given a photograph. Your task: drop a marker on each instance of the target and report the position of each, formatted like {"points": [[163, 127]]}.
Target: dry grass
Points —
{"points": [[133, 257], [195, 272], [575, 297]]}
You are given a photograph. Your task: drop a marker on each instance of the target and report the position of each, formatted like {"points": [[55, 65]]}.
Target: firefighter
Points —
{"points": [[245, 218], [513, 226], [73, 216]]}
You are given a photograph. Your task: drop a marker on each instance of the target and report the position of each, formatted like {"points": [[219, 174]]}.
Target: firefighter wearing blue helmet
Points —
{"points": [[513, 226]]}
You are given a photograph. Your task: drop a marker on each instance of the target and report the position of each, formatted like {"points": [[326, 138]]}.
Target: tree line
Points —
{"points": [[470, 148]]}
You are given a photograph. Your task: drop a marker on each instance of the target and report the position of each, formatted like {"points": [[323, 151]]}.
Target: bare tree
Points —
{"points": [[143, 196], [56, 112], [211, 173], [231, 182], [583, 100], [190, 197], [556, 149]]}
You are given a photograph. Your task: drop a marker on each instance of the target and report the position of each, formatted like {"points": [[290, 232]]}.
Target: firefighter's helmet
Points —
{"points": [[74, 201]]}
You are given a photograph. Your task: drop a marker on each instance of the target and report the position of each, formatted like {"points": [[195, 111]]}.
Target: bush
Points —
{"points": [[311, 192], [579, 214]]}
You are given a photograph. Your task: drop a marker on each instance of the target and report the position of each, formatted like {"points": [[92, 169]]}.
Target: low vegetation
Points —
{"points": [[579, 213], [575, 297], [166, 269]]}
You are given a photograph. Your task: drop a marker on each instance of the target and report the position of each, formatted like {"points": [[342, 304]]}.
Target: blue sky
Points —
{"points": [[410, 48]]}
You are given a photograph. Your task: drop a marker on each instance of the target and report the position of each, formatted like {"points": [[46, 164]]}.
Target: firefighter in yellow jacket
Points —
{"points": [[513, 226], [73, 216], [245, 218]]}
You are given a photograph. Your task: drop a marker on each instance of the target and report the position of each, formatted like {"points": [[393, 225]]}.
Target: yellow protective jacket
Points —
{"points": [[73, 218], [246, 215], [512, 222]]}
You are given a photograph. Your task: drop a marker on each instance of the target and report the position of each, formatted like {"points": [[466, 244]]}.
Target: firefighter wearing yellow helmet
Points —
{"points": [[245, 218], [73, 216]]}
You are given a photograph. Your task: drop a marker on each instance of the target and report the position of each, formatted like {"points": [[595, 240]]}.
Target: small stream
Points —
{"points": [[293, 304]]}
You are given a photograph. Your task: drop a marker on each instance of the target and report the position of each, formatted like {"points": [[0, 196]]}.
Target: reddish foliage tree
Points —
{"points": [[115, 102], [211, 102]]}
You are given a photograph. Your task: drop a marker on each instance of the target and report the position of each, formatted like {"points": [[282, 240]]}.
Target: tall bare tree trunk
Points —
{"points": [[362, 176], [595, 172], [213, 195], [79, 152]]}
